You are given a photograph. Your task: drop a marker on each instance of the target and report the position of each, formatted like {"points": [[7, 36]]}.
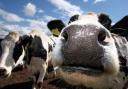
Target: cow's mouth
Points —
{"points": [[88, 70]]}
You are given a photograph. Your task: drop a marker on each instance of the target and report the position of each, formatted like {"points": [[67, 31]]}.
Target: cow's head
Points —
{"points": [[16, 49], [55, 26], [87, 52], [12, 53]]}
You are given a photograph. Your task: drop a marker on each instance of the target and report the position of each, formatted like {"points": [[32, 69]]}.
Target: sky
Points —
{"points": [[25, 15]]}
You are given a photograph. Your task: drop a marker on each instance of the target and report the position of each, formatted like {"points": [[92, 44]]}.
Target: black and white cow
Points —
{"points": [[35, 48], [90, 55], [9, 58], [55, 26], [39, 47]]}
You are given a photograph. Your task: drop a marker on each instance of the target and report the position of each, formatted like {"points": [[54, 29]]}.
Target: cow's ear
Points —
{"points": [[105, 20], [73, 18], [121, 27], [123, 23], [55, 26]]}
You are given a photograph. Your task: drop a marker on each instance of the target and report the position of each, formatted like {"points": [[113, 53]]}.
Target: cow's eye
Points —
{"points": [[65, 35]]}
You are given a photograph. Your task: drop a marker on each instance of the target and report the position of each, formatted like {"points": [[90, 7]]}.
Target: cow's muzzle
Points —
{"points": [[3, 73], [84, 49]]}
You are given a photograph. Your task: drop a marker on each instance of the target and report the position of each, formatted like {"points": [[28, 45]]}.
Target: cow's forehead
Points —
{"points": [[88, 19], [89, 16], [12, 36], [86, 22]]}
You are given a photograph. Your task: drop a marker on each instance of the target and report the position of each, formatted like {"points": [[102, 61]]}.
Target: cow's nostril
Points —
{"points": [[102, 36], [65, 35], [2, 71]]}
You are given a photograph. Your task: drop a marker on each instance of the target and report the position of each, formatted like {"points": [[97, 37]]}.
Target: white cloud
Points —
{"points": [[85, 1], [40, 25], [97, 1], [5, 28], [32, 24], [48, 18], [40, 11], [66, 8], [10, 17], [30, 9]]}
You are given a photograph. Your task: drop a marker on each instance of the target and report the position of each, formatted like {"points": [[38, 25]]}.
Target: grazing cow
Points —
{"points": [[89, 55], [35, 48]]}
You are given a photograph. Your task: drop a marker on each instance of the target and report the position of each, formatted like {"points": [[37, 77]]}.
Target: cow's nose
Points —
{"points": [[84, 45], [2, 71]]}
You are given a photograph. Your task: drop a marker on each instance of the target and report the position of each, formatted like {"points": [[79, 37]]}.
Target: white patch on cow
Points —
{"points": [[56, 54], [6, 61], [4, 56], [38, 65], [87, 19], [111, 62]]}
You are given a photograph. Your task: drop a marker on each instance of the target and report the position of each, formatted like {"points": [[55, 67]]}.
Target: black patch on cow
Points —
{"points": [[26, 41], [36, 49], [105, 20], [0, 47], [73, 18], [126, 85], [123, 78], [50, 48], [121, 27], [17, 51], [123, 66], [123, 23], [56, 24]]}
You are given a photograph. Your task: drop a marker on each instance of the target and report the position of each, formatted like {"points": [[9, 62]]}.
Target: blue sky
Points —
{"points": [[25, 15]]}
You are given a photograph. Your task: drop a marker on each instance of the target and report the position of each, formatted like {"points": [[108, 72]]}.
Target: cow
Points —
{"points": [[55, 26], [90, 56], [9, 58], [34, 49]]}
